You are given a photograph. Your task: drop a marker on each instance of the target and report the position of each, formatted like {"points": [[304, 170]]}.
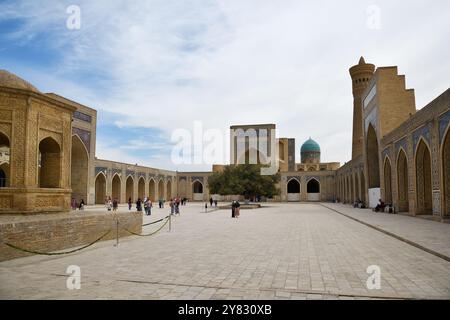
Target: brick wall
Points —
{"points": [[48, 233]]}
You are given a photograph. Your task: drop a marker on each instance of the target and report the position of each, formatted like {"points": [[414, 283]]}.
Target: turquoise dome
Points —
{"points": [[310, 146]]}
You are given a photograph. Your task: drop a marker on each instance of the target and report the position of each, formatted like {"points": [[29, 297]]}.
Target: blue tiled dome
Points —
{"points": [[310, 146]]}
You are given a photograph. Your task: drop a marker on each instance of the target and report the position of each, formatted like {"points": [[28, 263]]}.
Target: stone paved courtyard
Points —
{"points": [[281, 251]]}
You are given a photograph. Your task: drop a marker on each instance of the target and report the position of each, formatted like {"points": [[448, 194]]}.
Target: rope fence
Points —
{"points": [[167, 218], [56, 253]]}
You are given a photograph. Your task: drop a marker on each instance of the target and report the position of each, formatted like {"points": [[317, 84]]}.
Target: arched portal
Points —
{"points": [[352, 188], [387, 181], [152, 190], [169, 189], [313, 190], [129, 189], [293, 190], [100, 188], [141, 188], [357, 186], [161, 190], [197, 191], [182, 188], [116, 188], [4, 161], [423, 179], [402, 178], [49, 163], [363, 186], [372, 158], [79, 170], [446, 173]]}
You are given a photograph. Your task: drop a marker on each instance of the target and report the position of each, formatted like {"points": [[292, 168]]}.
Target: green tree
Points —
{"points": [[243, 179]]}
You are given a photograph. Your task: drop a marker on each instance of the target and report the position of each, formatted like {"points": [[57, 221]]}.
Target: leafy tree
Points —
{"points": [[243, 179]]}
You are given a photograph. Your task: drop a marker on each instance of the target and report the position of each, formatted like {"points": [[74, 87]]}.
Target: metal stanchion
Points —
{"points": [[170, 222], [117, 232]]}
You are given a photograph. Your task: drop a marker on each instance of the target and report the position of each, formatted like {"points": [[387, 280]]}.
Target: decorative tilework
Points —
{"points": [[82, 116], [424, 132], [85, 136], [443, 124]]}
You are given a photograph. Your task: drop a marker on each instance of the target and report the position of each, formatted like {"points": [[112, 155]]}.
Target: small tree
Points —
{"points": [[244, 179]]}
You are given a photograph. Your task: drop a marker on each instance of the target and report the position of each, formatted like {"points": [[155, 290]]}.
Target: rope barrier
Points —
{"points": [[56, 253], [149, 234], [147, 224]]}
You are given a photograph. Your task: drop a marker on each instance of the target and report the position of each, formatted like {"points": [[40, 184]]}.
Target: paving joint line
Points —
{"points": [[391, 234], [303, 291]]}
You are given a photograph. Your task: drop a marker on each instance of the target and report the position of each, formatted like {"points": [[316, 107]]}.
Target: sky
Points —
{"points": [[157, 67]]}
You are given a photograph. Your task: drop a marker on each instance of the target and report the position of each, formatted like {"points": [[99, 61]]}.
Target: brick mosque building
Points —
{"points": [[47, 149]]}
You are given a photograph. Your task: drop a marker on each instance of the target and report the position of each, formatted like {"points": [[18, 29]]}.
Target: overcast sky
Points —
{"points": [[151, 67]]}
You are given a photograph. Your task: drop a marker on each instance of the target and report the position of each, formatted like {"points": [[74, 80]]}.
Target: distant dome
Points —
{"points": [[7, 79], [310, 146], [310, 152]]}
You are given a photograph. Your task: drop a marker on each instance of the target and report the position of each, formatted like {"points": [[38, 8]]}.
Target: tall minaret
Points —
{"points": [[361, 74]]}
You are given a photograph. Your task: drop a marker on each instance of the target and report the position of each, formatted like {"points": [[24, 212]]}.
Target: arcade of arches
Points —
{"points": [[403, 153]]}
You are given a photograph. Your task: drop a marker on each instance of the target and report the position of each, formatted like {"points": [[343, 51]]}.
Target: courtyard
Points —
{"points": [[280, 251]]}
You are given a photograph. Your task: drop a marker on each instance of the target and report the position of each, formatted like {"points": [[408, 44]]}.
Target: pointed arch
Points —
{"points": [[116, 188], [129, 189], [182, 188], [141, 188], [152, 189], [402, 181], [424, 192], [373, 166], [79, 169], [100, 188], [445, 160], [313, 189], [5, 154], [387, 174], [169, 189], [293, 189], [197, 190], [161, 189], [49, 163]]}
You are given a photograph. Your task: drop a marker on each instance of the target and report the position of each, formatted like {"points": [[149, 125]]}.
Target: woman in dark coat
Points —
{"points": [[233, 207]]}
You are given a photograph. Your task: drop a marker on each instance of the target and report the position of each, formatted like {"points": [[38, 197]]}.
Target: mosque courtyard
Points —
{"points": [[280, 251]]}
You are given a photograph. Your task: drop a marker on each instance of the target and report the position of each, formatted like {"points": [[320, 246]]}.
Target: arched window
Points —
{"points": [[372, 158], [4, 161], [423, 179], [293, 186], [49, 163], [402, 181], [116, 188], [100, 188], [129, 189], [313, 186], [197, 187]]}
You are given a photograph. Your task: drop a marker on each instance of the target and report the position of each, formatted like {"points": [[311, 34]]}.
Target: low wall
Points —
{"points": [[57, 231]]}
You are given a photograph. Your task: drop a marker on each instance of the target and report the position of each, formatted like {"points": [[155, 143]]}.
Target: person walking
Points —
{"points": [[115, 204], [172, 207], [215, 203], [233, 208], [210, 201], [177, 208], [139, 205], [129, 203], [237, 209], [146, 206], [108, 204], [82, 204], [73, 204], [150, 205]]}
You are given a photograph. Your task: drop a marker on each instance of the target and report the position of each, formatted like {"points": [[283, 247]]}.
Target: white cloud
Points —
{"points": [[239, 62]]}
